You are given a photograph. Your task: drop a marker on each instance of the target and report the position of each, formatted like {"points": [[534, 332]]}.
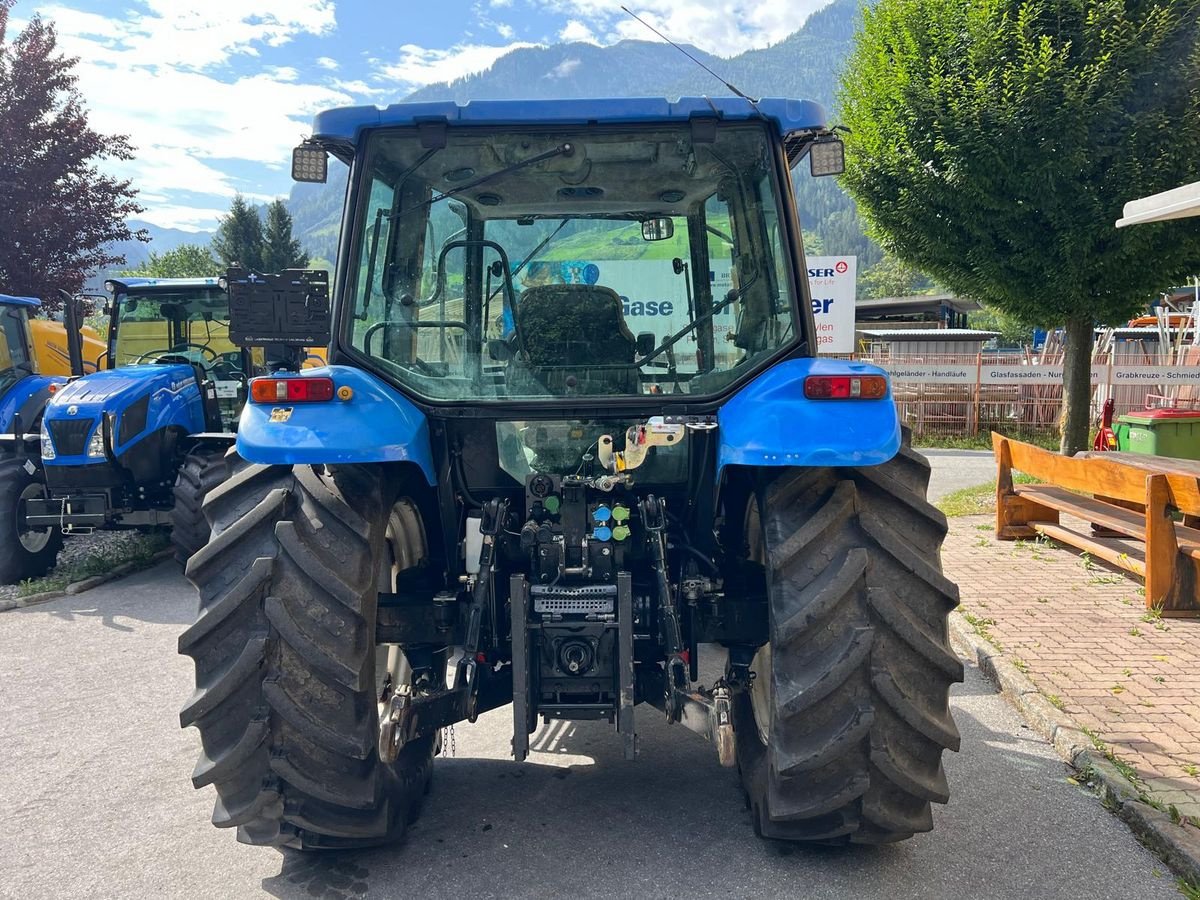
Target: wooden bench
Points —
{"points": [[1136, 499]]}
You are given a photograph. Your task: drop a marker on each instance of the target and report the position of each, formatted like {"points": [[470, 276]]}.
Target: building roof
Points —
{"points": [[916, 302], [1144, 332], [345, 123], [929, 334], [1174, 204], [8, 300]]}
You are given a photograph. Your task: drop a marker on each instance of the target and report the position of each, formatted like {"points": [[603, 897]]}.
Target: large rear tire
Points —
{"points": [[202, 470], [841, 736], [285, 656], [24, 553]]}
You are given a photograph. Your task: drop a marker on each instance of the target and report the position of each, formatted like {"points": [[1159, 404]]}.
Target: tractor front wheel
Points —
{"points": [[24, 552], [840, 736], [202, 470]]}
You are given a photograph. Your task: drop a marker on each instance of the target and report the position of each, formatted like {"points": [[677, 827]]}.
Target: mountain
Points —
{"points": [[161, 240], [805, 64]]}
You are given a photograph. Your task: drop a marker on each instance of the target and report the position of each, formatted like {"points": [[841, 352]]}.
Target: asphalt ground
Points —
{"points": [[957, 469], [97, 801]]}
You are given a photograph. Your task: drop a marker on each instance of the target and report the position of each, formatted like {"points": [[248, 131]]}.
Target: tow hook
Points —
{"points": [[710, 714], [390, 740], [722, 726]]}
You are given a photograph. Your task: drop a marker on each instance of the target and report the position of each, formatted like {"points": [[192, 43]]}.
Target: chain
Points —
{"points": [[449, 746]]}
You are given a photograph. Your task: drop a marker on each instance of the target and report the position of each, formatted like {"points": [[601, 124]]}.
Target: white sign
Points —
{"points": [[929, 373], [1155, 375], [966, 373], [832, 281], [1051, 374]]}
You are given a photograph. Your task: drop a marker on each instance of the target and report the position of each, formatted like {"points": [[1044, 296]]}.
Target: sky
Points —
{"points": [[215, 93]]}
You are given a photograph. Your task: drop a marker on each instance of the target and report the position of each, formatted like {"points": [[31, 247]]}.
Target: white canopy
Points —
{"points": [[1177, 204]]}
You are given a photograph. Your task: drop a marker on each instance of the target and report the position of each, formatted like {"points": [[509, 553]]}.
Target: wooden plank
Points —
{"points": [[1112, 517], [1183, 476], [1092, 475], [1164, 587], [1006, 519], [1130, 560], [1163, 464]]}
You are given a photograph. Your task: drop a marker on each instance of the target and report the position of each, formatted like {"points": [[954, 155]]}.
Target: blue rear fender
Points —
{"points": [[771, 423], [377, 424]]}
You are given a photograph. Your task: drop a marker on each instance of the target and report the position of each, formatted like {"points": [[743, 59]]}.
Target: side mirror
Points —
{"points": [[658, 229], [646, 342]]}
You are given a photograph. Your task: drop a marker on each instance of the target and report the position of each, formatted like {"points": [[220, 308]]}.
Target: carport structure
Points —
{"points": [[1178, 203]]}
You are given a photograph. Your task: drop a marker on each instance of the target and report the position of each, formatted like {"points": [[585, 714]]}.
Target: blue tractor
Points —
{"points": [[25, 552], [574, 448], [139, 443]]}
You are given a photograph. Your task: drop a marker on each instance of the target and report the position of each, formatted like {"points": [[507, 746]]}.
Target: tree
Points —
{"points": [[891, 278], [239, 237], [280, 250], [185, 261], [58, 212], [994, 143]]}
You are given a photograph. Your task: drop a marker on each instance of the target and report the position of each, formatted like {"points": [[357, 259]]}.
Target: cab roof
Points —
{"points": [[8, 300], [344, 124], [172, 284]]}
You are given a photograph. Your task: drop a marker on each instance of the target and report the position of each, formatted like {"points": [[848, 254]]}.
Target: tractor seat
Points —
{"points": [[573, 339]]}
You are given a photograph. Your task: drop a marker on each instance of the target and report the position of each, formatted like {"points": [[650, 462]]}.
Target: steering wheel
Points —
{"points": [[212, 354]]}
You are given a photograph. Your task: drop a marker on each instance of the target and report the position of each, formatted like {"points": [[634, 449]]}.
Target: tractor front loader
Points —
{"points": [[573, 437]]}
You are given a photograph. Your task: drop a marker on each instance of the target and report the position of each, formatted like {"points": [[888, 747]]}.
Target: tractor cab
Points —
{"points": [[520, 262], [177, 321]]}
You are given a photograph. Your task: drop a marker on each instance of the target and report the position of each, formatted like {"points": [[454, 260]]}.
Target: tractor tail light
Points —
{"points": [[845, 387], [291, 390]]}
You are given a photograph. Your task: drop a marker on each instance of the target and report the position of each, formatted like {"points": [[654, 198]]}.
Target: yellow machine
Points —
{"points": [[50, 347]]}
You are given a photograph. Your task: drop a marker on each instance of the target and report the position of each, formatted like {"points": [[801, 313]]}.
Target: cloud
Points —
{"points": [[193, 33], [326, 62], [418, 66], [722, 27], [145, 76], [505, 31], [563, 69], [185, 218], [576, 31]]}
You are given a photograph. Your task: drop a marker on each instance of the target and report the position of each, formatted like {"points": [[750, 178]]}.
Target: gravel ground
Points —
{"points": [[117, 544]]}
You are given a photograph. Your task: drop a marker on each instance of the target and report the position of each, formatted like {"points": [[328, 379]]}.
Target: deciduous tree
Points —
{"points": [[185, 261], [994, 143], [59, 211]]}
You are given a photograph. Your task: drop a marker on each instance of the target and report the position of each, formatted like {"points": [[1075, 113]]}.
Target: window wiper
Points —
{"points": [[732, 297]]}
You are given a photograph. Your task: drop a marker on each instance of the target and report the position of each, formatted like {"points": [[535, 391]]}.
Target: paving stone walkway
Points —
{"points": [[1082, 634]]}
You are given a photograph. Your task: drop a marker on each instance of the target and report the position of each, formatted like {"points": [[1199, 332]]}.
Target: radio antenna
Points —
{"points": [[748, 99]]}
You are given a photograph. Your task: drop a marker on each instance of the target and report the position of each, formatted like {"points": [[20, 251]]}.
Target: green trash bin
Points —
{"points": [[1160, 432]]}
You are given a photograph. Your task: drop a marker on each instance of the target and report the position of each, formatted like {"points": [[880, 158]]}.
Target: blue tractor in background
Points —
{"points": [[25, 552], [574, 448], [139, 443]]}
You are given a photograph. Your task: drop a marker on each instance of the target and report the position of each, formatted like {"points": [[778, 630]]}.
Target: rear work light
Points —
{"points": [[291, 390], [845, 387]]}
